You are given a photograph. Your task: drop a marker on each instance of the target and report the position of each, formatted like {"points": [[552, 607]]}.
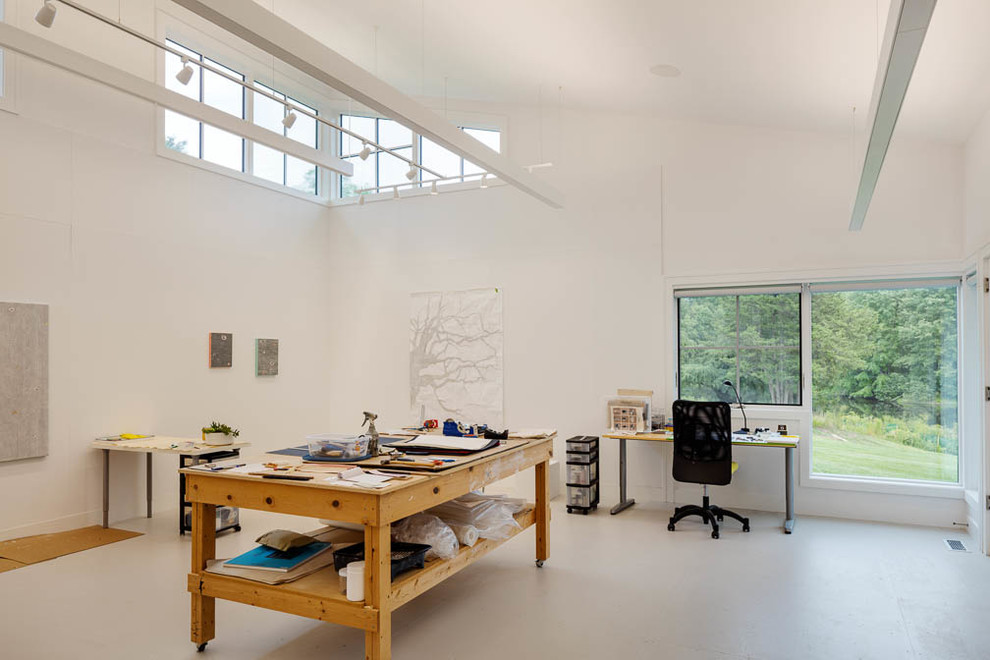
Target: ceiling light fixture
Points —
{"points": [[395, 192], [364, 153], [185, 75], [46, 15], [484, 180], [411, 174], [433, 189], [290, 119], [665, 70]]}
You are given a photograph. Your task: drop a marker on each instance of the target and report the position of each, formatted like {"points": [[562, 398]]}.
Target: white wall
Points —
{"points": [[585, 310], [140, 258]]}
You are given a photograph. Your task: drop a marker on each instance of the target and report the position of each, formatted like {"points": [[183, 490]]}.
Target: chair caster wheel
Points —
{"points": [[539, 563], [714, 535], [237, 528], [745, 528], [670, 527], [201, 647], [721, 518]]}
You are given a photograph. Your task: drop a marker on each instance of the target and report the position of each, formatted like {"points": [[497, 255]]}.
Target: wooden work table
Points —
{"points": [[318, 596]]}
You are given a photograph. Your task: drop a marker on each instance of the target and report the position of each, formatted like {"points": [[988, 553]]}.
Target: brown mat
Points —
{"points": [[8, 565], [34, 549]]}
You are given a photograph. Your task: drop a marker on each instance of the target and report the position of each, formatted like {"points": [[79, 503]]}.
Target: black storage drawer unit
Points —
{"points": [[582, 474]]}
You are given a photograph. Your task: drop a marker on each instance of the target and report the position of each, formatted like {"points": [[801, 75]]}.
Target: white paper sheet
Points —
{"points": [[447, 442]]}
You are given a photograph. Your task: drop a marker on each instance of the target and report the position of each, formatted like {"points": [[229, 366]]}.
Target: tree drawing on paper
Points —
{"points": [[455, 356]]}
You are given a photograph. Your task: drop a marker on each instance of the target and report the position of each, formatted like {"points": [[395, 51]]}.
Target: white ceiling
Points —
{"points": [[800, 64]]}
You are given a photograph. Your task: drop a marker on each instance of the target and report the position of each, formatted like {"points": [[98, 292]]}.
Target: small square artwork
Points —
{"points": [[221, 349], [266, 357], [626, 418]]}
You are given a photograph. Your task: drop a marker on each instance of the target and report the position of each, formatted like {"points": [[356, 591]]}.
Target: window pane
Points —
{"points": [[363, 126], [770, 320], [471, 168], [393, 134], [392, 170], [173, 64], [300, 175], [268, 113], [491, 139], [884, 383], [364, 176], [269, 164], [222, 93], [770, 376], [223, 148], [702, 372], [304, 130], [181, 134], [439, 159], [707, 321]]}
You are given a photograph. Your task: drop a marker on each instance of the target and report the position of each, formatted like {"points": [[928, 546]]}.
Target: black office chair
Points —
{"points": [[703, 455]]}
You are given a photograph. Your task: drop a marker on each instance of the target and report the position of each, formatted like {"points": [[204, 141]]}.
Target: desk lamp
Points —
{"points": [[745, 427]]}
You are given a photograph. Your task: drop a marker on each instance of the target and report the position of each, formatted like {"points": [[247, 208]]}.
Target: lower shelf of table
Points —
{"points": [[318, 596]]}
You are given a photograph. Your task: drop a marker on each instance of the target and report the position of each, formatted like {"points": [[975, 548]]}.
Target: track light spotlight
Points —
{"points": [[364, 153], [185, 75], [433, 189], [484, 180], [411, 174], [360, 199], [395, 192], [289, 119], [46, 15]]}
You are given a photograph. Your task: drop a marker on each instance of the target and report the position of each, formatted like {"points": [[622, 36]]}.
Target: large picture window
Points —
{"points": [[885, 382], [752, 340]]}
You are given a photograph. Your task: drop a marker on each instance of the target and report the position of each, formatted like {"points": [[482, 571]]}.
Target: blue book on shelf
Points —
{"points": [[269, 559]]}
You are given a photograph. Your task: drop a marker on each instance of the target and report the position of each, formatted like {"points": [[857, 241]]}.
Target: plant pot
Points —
{"points": [[215, 439]]}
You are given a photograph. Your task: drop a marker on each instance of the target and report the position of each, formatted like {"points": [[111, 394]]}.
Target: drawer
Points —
{"points": [[582, 474], [582, 458], [582, 496], [586, 444]]}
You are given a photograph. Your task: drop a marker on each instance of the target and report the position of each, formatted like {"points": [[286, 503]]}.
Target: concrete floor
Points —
{"points": [[615, 587]]}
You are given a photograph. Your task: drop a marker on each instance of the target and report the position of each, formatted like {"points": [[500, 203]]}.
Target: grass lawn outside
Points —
{"points": [[839, 452]]}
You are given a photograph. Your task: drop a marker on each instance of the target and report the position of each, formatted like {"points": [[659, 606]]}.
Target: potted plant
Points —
{"points": [[219, 434]]}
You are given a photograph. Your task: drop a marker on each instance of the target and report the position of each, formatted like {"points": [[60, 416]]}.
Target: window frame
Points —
{"points": [[8, 60], [737, 293], [417, 185], [253, 68], [800, 419]]}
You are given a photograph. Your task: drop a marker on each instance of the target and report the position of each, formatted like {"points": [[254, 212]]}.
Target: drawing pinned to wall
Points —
{"points": [[23, 381], [455, 356], [266, 357], [221, 349]]}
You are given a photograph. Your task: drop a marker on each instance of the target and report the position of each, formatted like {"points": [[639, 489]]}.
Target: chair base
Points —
{"points": [[711, 515]]}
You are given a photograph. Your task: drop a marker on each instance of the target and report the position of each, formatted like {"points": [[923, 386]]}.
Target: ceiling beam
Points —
{"points": [[907, 25], [51, 53], [261, 28]]}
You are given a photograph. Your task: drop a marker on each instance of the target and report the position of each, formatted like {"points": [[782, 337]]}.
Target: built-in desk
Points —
{"points": [[786, 442]]}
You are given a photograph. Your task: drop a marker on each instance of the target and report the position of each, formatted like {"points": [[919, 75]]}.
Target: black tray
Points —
{"points": [[405, 556]]}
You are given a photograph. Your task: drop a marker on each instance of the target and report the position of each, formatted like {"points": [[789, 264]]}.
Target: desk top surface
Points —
{"points": [[773, 441], [160, 444]]}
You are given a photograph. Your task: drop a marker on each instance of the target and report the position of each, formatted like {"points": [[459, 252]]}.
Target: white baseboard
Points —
{"points": [[65, 523]]}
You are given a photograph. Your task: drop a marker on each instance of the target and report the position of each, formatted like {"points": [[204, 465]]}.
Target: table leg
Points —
{"points": [[204, 547], [542, 512], [149, 484], [378, 590], [623, 502], [789, 487], [182, 498], [106, 488]]}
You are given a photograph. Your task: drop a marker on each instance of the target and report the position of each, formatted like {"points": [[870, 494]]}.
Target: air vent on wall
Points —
{"points": [[954, 544]]}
